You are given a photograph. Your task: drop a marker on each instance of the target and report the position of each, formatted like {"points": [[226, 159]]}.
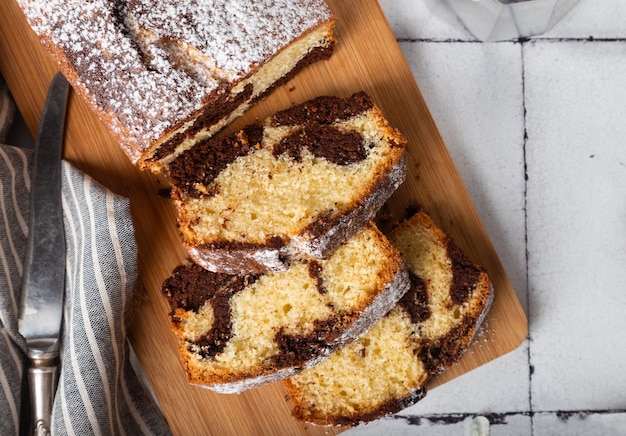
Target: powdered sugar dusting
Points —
{"points": [[234, 34], [152, 64]]}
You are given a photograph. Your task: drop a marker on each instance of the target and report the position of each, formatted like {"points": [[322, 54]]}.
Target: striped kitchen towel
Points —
{"points": [[98, 390]]}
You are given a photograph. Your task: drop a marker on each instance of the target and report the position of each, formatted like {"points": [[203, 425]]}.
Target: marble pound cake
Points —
{"points": [[238, 332], [162, 75], [429, 330], [300, 183]]}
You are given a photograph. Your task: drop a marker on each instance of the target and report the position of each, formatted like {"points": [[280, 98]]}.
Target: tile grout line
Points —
{"points": [[523, 40], [526, 253], [498, 418]]}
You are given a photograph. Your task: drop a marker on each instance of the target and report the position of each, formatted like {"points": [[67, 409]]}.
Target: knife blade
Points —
{"points": [[40, 309]]}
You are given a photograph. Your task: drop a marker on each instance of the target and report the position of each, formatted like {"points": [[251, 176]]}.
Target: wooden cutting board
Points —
{"points": [[367, 58]]}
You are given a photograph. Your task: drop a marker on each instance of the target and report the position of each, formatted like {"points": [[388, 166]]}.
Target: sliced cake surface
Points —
{"points": [[162, 74], [237, 332], [301, 183], [426, 332]]}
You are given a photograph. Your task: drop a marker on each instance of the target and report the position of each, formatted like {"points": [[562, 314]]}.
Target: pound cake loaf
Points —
{"points": [[163, 74], [238, 332], [299, 184], [429, 330]]}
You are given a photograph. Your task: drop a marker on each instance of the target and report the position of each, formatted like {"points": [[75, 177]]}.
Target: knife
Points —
{"points": [[40, 310]]}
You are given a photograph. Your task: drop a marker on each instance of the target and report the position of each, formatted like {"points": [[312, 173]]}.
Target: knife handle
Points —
{"points": [[42, 380]]}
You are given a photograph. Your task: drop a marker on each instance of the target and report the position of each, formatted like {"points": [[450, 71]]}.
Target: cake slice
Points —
{"points": [[238, 332], [299, 184], [162, 75], [429, 330]]}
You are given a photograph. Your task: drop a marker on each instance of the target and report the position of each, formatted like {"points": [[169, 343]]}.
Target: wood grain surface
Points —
{"points": [[367, 58]]}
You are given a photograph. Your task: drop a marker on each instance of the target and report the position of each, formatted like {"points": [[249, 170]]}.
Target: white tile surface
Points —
{"points": [[576, 154], [554, 109]]}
